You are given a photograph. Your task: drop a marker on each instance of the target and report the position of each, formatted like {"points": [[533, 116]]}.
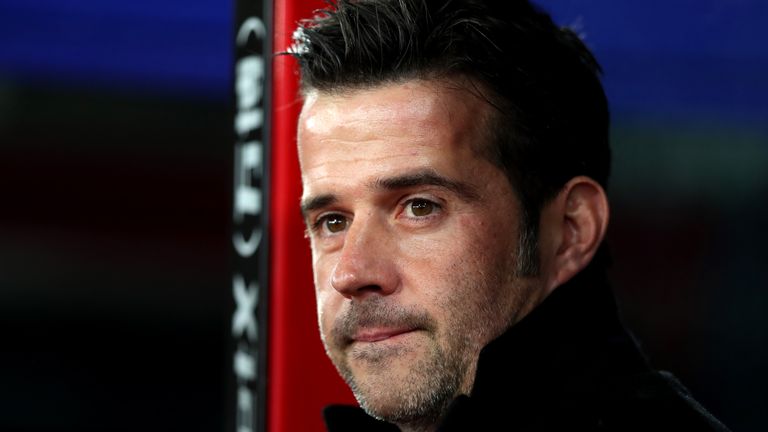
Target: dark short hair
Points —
{"points": [[551, 122]]}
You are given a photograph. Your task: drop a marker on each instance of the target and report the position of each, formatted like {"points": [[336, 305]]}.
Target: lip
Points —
{"points": [[379, 334]]}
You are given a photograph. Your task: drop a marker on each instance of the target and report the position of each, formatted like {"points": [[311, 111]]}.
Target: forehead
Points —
{"points": [[410, 119], [413, 104]]}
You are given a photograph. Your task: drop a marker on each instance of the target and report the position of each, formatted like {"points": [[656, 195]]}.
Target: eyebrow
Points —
{"points": [[425, 177], [316, 202]]}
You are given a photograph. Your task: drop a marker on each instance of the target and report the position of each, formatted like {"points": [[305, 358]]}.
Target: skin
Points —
{"points": [[414, 242]]}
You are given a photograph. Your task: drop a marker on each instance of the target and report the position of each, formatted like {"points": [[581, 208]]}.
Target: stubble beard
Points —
{"points": [[419, 398]]}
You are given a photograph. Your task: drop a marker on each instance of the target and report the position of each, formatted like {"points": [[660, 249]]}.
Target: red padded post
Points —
{"points": [[301, 379]]}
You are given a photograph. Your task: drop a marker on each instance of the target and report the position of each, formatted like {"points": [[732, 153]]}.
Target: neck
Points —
{"points": [[412, 427]]}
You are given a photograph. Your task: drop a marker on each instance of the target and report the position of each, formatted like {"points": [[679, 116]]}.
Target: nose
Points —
{"points": [[366, 263]]}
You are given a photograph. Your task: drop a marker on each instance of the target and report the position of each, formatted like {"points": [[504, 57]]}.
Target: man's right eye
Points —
{"points": [[332, 223]]}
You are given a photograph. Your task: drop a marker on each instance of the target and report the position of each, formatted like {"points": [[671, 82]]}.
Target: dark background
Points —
{"points": [[115, 204]]}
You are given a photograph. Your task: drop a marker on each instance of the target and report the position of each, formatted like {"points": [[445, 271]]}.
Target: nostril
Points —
{"points": [[369, 288], [362, 292]]}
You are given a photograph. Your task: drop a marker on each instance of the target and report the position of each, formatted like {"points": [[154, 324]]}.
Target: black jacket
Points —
{"points": [[568, 366]]}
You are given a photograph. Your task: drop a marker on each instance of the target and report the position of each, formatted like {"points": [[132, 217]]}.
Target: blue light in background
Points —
{"points": [[677, 57], [682, 58], [159, 46]]}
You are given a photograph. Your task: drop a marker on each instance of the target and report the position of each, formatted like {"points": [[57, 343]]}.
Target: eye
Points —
{"points": [[420, 207], [333, 223]]}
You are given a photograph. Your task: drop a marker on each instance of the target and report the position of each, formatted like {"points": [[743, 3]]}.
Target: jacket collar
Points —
{"points": [[573, 334]]}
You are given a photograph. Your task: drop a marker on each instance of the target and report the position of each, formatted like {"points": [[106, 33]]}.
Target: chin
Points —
{"points": [[410, 395]]}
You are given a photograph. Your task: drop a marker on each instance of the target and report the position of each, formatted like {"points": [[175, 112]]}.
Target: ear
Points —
{"points": [[573, 226]]}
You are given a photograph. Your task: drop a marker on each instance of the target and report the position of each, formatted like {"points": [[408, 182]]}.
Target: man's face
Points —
{"points": [[414, 242]]}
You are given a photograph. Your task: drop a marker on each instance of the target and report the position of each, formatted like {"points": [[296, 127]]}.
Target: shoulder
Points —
{"points": [[649, 401], [654, 400]]}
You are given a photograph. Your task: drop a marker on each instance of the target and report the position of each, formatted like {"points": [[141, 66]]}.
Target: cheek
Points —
{"points": [[475, 236], [492, 236], [478, 259], [328, 308], [324, 294], [432, 262], [322, 268], [422, 260]]}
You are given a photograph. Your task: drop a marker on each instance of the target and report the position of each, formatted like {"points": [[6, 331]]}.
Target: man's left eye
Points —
{"points": [[420, 208]]}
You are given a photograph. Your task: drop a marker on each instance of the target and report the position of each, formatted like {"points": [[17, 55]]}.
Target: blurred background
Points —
{"points": [[115, 188]]}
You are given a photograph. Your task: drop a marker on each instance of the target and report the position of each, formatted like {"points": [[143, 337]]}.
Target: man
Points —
{"points": [[454, 158]]}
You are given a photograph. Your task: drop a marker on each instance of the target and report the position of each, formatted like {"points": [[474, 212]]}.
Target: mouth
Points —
{"points": [[374, 335], [376, 324]]}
